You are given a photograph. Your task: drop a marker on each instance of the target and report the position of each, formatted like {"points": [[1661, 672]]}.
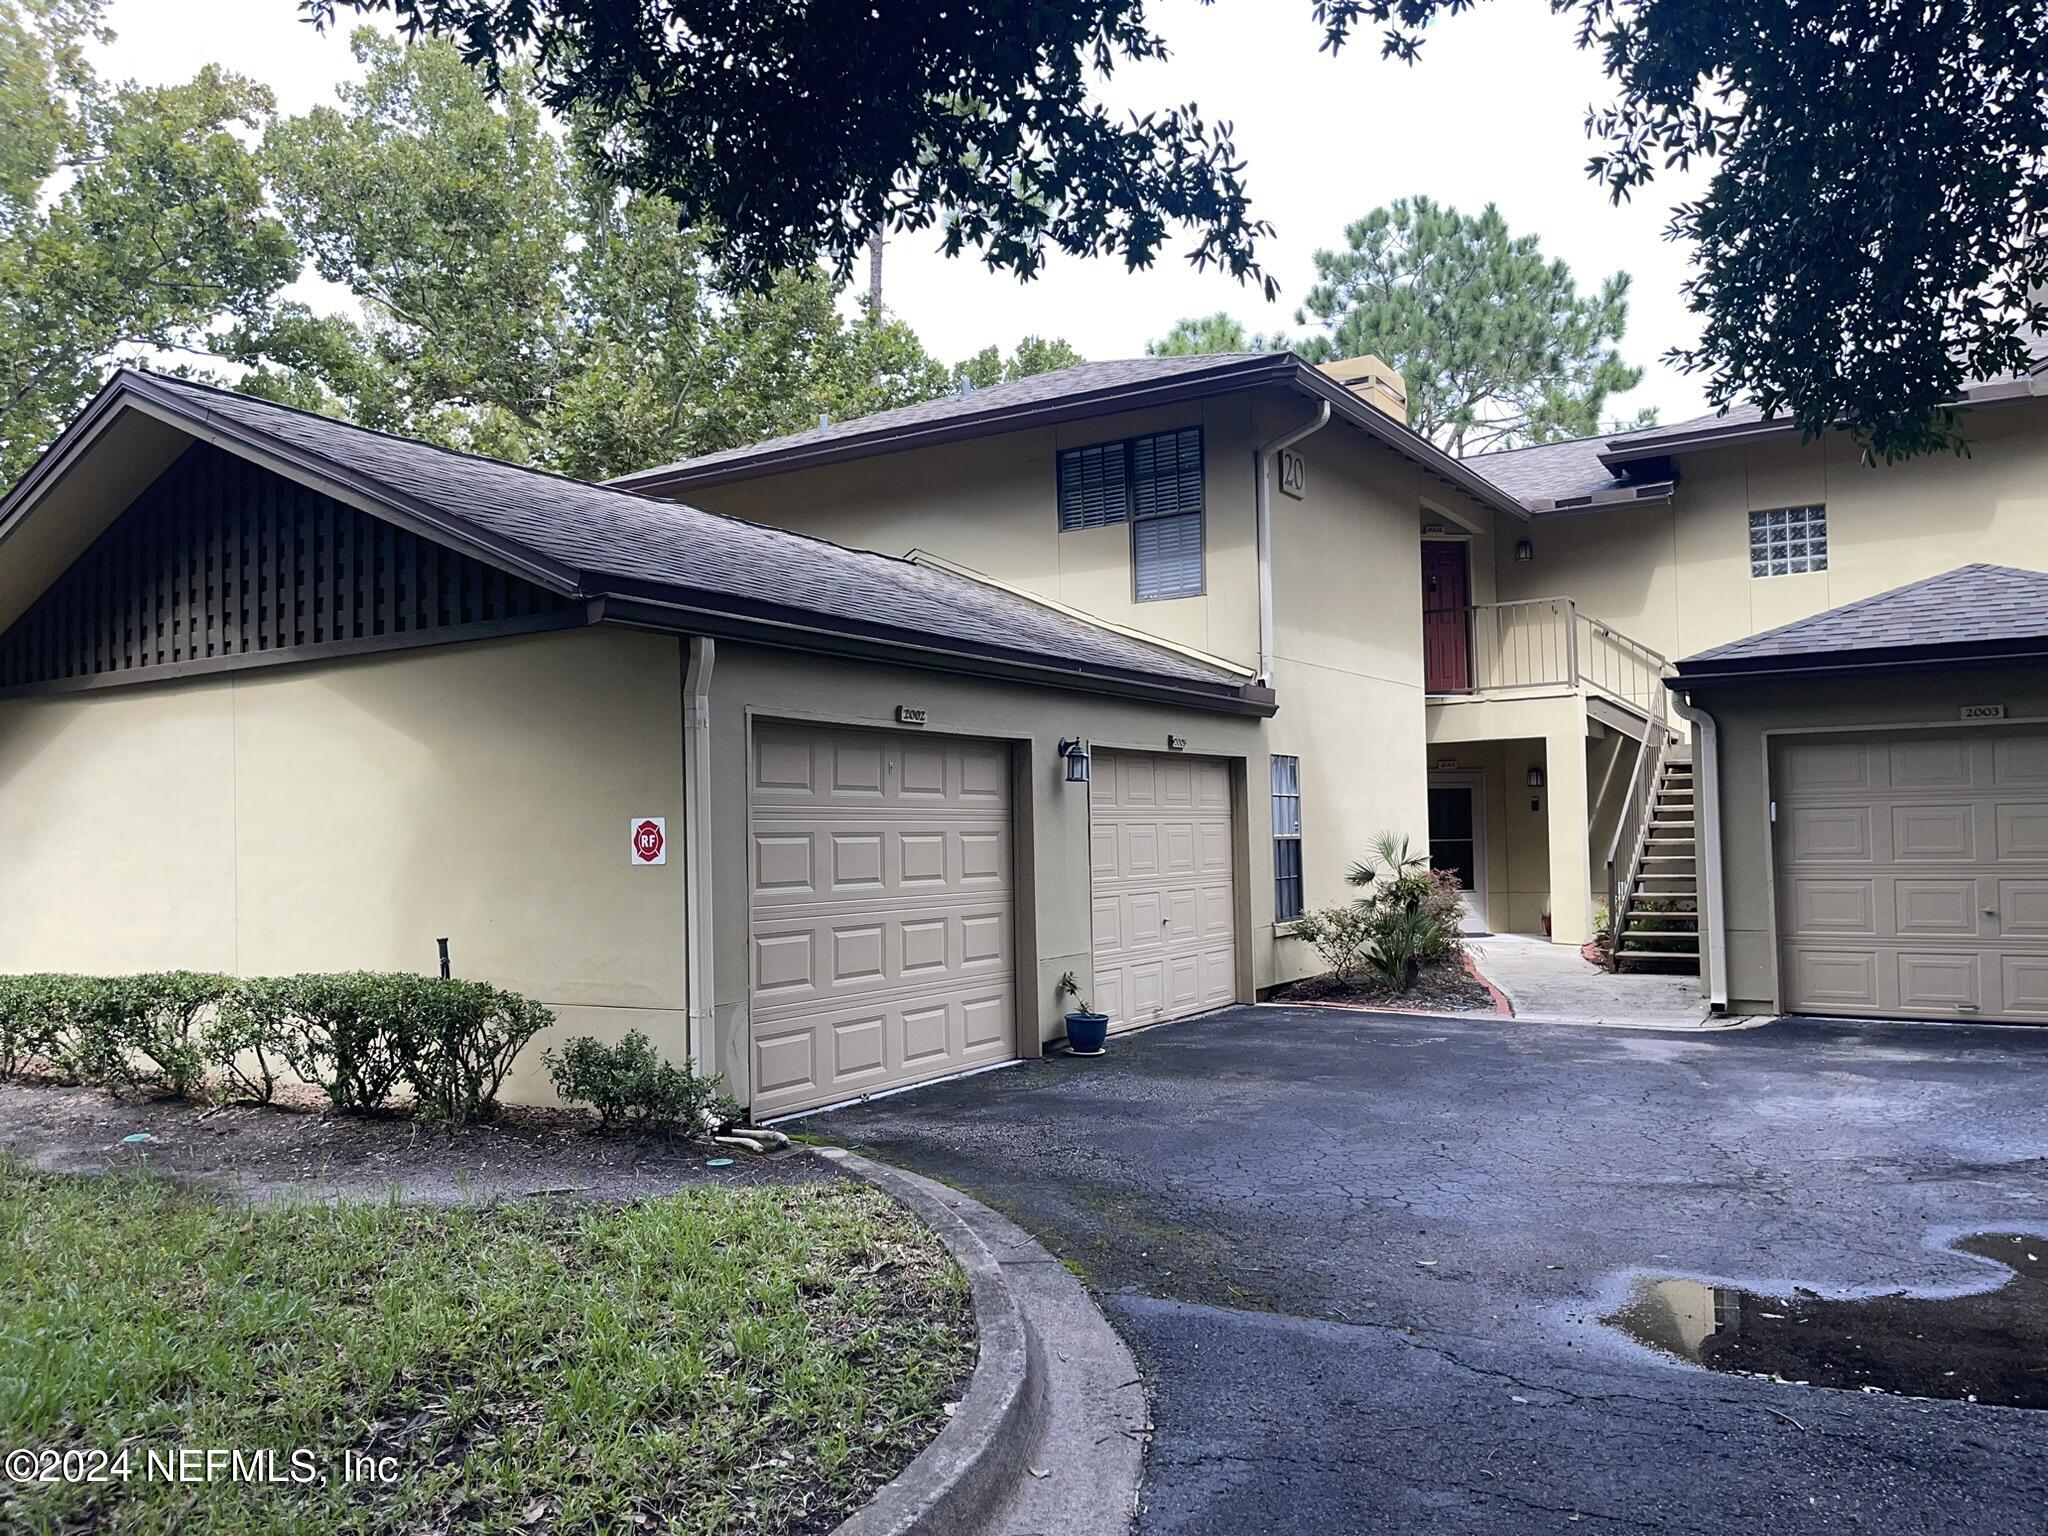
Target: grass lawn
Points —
{"points": [[745, 1360]]}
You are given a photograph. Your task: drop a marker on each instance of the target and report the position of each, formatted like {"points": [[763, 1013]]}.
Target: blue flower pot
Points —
{"points": [[1086, 1032]]}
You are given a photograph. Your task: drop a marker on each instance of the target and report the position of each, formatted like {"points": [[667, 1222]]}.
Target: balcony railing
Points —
{"points": [[1489, 649]]}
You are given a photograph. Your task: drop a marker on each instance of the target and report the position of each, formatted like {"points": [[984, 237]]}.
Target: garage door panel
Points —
{"points": [[1829, 833], [1950, 894], [1931, 908], [1164, 895], [2023, 831], [882, 914], [1944, 834], [2023, 984], [1936, 763], [1940, 981], [2023, 908], [2020, 761], [1834, 907], [1837, 979]]}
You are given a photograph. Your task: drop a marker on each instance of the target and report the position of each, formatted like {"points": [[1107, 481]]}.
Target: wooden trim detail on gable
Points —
{"points": [[222, 563]]}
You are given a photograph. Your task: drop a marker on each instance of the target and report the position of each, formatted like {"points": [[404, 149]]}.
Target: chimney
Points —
{"points": [[1373, 382]]}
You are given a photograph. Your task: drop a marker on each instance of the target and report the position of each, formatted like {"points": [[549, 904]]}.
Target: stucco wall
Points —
{"points": [[1051, 837], [1745, 715], [345, 815], [991, 503], [1677, 577]]}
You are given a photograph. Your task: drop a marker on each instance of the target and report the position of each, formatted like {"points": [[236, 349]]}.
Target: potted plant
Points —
{"points": [[1086, 1029]]}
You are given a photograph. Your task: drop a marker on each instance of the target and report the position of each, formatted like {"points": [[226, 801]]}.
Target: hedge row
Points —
{"points": [[357, 1037]]}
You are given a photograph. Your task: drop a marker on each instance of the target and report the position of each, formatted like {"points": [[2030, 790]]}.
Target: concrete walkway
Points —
{"points": [[1554, 984]]}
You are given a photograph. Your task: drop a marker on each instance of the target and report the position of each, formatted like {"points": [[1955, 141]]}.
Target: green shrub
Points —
{"points": [[143, 1032], [1409, 916], [248, 1040], [33, 1014], [631, 1081], [461, 1038]]}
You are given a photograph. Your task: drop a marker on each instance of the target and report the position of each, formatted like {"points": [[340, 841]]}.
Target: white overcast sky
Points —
{"points": [[1493, 113]]}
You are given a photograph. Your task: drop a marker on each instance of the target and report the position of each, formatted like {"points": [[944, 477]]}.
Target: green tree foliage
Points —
{"points": [[1206, 335], [515, 303], [1875, 231], [1034, 354], [1497, 345], [130, 217]]}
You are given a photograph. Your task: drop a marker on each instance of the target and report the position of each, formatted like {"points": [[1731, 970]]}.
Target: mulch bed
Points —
{"points": [[1443, 986], [267, 1152]]}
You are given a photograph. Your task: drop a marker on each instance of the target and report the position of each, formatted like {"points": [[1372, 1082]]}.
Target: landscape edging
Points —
{"points": [[959, 1481]]}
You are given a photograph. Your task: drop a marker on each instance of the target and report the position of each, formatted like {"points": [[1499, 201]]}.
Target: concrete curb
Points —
{"points": [[1050, 1435]]}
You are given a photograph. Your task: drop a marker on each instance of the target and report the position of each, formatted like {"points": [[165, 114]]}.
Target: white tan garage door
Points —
{"points": [[1164, 887], [882, 917], [1913, 875]]}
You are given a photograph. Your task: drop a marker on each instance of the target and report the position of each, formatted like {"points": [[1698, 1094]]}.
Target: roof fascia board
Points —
{"points": [[2006, 392], [1035, 413], [361, 491], [693, 615], [1282, 369], [57, 460], [1653, 493], [1804, 667]]}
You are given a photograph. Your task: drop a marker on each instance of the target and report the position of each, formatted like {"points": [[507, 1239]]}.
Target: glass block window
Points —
{"points": [[1788, 540], [1286, 838]]}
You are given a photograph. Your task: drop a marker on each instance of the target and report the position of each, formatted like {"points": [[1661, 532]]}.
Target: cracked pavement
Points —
{"points": [[1363, 1258]]}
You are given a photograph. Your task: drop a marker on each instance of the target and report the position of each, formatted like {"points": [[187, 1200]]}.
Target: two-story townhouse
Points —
{"points": [[1871, 814], [1268, 515]]}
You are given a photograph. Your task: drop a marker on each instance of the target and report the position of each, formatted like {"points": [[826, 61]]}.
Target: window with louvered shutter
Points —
{"points": [[1166, 514], [1094, 486], [1166, 473]]}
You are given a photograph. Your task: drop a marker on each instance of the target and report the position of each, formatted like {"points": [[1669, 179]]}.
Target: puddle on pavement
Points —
{"points": [[1991, 1347]]}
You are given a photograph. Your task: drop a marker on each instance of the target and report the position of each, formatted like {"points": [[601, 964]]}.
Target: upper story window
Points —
{"points": [[1786, 540], [1153, 483]]}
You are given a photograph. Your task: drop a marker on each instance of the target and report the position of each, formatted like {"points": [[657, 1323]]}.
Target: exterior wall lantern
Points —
{"points": [[1524, 550], [1075, 751]]}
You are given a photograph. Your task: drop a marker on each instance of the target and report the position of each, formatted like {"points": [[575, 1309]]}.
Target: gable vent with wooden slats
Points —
{"points": [[222, 559]]}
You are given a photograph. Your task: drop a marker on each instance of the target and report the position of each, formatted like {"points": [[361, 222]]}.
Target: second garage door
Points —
{"points": [[1912, 875], [882, 912], [1165, 898]]}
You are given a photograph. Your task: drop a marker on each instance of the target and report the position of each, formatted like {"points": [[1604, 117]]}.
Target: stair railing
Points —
{"points": [[1631, 834]]}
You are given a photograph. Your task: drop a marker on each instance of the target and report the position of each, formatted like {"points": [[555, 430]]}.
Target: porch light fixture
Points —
{"points": [[1536, 777], [1524, 550], [1075, 751]]}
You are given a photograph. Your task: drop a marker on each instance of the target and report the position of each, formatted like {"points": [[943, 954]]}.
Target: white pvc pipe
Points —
{"points": [[1263, 521], [697, 937]]}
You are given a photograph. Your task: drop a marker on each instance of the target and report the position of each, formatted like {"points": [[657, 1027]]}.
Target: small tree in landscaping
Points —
{"points": [[1408, 917]]}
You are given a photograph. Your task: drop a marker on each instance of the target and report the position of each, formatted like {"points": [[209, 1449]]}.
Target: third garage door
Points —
{"points": [[1164, 887], [1913, 874]]}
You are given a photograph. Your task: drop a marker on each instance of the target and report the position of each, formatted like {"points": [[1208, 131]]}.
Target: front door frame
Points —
{"points": [[1477, 906]]}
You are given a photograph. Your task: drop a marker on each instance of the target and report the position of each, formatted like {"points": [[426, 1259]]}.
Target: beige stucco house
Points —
{"points": [[822, 761]]}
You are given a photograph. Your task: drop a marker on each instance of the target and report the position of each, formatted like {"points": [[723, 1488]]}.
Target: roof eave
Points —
{"points": [[1279, 369], [1634, 450], [1812, 665], [1651, 493], [683, 611]]}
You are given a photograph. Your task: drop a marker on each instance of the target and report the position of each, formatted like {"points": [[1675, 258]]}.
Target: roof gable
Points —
{"points": [[686, 569]]}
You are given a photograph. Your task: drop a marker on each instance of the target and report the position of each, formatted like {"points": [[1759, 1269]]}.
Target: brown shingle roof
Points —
{"points": [[600, 541], [1971, 607]]}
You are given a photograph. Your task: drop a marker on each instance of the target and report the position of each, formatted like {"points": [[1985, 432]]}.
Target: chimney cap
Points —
{"points": [[1373, 380]]}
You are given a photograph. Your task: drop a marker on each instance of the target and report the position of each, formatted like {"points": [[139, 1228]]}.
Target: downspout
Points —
{"points": [[1706, 756], [1262, 498], [697, 935]]}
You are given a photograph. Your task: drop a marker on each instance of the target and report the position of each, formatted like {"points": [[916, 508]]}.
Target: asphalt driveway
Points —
{"points": [[1363, 1259]]}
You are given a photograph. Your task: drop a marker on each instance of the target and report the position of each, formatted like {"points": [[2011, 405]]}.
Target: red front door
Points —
{"points": [[1446, 625]]}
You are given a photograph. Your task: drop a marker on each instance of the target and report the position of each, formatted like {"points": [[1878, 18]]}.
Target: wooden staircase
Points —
{"points": [[1659, 921]]}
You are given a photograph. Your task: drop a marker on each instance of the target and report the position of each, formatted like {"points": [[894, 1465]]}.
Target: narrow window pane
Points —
{"points": [[1167, 552]]}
